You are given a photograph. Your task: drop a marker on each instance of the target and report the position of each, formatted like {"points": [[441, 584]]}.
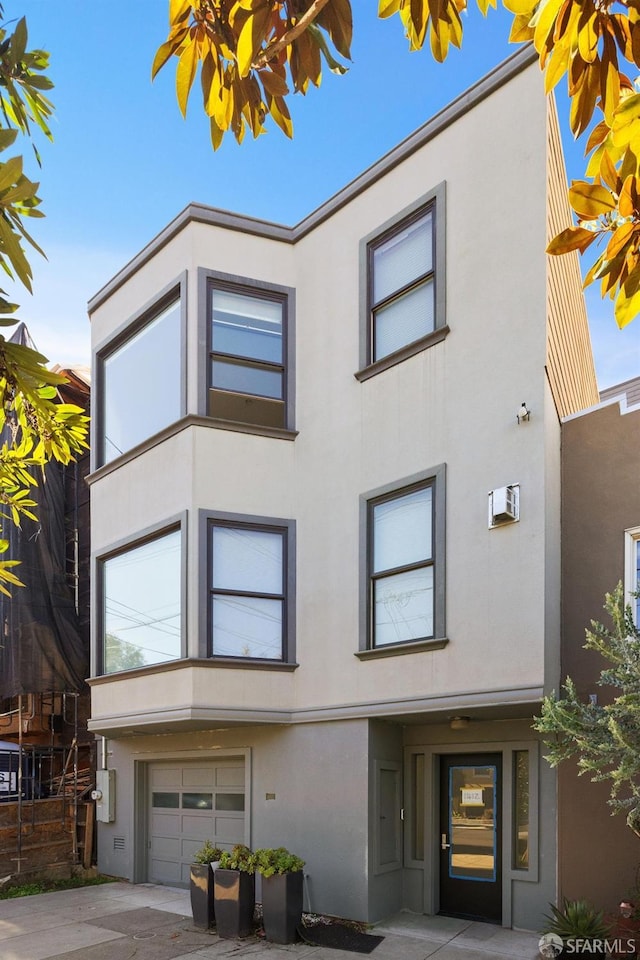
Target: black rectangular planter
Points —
{"points": [[282, 906], [201, 889], [235, 899]]}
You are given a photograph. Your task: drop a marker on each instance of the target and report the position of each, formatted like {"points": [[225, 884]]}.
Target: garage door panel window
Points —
{"points": [[166, 800], [197, 801], [230, 801]]}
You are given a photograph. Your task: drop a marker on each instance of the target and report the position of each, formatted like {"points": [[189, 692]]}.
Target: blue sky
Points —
{"points": [[123, 162]]}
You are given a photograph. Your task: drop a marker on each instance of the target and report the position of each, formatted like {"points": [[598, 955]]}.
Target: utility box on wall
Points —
{"points": [[504, 505], [105, 796]]}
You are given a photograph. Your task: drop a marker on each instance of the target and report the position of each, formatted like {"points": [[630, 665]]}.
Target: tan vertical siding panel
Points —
{"points": [[570, 367]]}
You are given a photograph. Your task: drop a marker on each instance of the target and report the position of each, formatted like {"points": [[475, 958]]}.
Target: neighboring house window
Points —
{"points": [[140, 376], [632, 570], [404, 284], [141, 603], [405, 581], [250, 352], [251, 613]]}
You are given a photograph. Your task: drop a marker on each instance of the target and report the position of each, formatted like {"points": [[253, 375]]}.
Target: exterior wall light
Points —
{"points": [[523, 413], [626, 909], [458, 723]]}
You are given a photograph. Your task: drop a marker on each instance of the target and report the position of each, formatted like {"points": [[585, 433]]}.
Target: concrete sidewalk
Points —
{"points": [[119, 921]]}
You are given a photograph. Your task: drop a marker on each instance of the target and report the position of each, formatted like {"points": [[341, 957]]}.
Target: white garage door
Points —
{"points": [[188, 804]]}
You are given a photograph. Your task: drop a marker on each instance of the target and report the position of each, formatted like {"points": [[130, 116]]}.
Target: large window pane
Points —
{"points": [[256, 381], [402, 258], [402, 530], [404, 320], [403, 606], [142, 605], [246, 326], [247, 627], [472, 824], [142, 384], [247, 560]]}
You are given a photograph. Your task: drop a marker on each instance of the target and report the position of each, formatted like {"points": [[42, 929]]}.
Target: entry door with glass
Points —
{"points": [[470, 836]]}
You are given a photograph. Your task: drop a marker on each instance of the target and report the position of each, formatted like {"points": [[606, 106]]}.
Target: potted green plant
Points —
{"points": [[204, 863], [576, 919], [234, 892], [282, 891]]}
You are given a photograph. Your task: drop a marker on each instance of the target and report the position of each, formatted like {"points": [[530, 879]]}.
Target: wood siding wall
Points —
{"points": [[570, 367]]}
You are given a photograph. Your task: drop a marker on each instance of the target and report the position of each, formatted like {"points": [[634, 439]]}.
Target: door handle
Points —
{"points": [[443, 842]]}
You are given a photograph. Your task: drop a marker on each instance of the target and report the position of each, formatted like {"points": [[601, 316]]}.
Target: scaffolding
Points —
{"points": [[44, 644], [47, 782]]}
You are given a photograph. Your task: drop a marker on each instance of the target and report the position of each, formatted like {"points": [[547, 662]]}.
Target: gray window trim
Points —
{"points": [[153, 532], [208, 279], [435, 198], [205, 518], [177, 289], [436, 476]]}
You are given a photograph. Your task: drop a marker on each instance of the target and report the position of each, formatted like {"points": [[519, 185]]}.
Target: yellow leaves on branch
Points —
{"points": [[609, 210], [252, 53]]}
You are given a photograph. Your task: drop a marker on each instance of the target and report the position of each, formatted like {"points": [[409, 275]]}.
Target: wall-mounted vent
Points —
{"points": [[504, 505], [118, 843]]}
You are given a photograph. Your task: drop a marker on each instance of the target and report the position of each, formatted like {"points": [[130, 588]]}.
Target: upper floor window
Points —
{"points": [[251, 612], [403, 285], [405, 563], [141, 603], [632, 570], [250, 352], [140, 380]]}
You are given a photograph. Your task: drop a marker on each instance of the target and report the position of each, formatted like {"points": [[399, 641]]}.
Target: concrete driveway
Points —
{"points": [[119, 921]]}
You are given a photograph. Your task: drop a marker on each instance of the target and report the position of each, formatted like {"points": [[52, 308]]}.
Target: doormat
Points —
{"points": [[339, 936]]}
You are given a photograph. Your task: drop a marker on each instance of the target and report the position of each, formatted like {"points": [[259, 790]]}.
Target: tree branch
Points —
{"points": [[287, 38]]}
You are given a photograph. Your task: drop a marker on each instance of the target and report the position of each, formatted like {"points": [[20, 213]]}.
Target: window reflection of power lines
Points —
{"points": [[394, 602], [240, 608], [146, 553], [134, 617], [267, 546]]}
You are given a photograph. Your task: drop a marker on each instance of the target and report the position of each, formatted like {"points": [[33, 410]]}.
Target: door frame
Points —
{"points": [[431, 863], [477, 898], [139, 825]]}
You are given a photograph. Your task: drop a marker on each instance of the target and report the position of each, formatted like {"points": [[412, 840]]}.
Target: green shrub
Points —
{"points": [[272, 860], [208, 853], [240, 858], [576, 918]]}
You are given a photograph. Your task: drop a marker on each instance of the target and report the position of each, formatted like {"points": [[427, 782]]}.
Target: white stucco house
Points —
{"points": [[326, 548]]}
